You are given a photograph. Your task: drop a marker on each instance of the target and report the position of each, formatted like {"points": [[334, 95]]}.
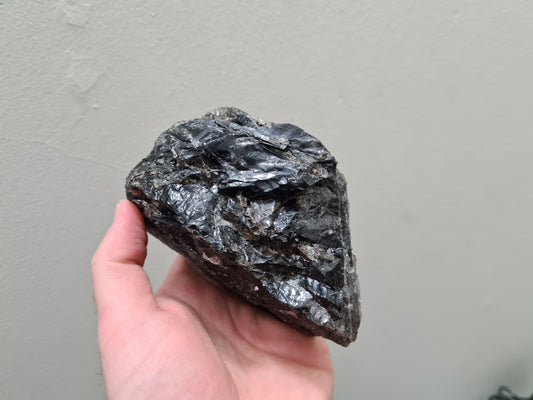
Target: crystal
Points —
{"points": [[259, 208]]}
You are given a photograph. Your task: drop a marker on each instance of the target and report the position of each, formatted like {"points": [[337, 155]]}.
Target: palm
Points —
{"points": [[193, 340]]}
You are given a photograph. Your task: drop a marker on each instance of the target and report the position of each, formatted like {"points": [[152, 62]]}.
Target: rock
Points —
{"points": [[259, 208]]}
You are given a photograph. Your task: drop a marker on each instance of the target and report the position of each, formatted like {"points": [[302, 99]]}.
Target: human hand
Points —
{"points": [[192, 340]]}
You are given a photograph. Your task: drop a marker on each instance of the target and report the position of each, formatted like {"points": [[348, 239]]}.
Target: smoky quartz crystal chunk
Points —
{"points": [[259, 208]]}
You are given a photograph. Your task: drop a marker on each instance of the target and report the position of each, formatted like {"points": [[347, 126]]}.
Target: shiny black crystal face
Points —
{"points": [[259, 208]]}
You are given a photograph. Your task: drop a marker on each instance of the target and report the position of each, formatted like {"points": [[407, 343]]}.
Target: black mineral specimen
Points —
{"points": [[259, 208]]}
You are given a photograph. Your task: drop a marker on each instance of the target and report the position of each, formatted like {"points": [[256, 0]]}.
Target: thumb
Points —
{"points": [[120, 283]]}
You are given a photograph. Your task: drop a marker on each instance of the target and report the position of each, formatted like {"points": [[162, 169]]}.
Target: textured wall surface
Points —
{"points": [[428, 107]]}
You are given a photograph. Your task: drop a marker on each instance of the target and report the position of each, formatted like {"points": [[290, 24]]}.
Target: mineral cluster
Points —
{"points": [[259, 208]]}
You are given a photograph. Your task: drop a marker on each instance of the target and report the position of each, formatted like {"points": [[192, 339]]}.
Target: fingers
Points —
{"points": [[120, 283], [187, 286], [182, 282], [171, 284], [125, 242]]}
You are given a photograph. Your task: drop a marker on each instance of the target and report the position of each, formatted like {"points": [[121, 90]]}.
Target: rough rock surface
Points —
{"points": [[259, 208]]}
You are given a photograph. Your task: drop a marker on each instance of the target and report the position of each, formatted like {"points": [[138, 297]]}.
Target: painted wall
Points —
{"points": [[428, 107]]}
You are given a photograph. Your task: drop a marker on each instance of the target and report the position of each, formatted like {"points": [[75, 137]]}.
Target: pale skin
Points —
{"points": [[190, 339]]}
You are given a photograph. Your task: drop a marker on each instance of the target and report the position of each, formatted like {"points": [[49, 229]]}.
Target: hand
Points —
{"points": [[192, 340]]}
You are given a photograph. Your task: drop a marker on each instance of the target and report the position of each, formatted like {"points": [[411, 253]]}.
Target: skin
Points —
{"points": [[190, 339]]}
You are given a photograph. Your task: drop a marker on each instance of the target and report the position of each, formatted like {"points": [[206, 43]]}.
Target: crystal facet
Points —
{"points": [[259, 208]]}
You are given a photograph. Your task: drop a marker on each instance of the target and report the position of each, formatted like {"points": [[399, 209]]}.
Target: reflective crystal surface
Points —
{"points": [[259, 208]]}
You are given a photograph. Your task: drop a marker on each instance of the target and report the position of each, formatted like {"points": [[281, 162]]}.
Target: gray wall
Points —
{"points": [[428, 107]]}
